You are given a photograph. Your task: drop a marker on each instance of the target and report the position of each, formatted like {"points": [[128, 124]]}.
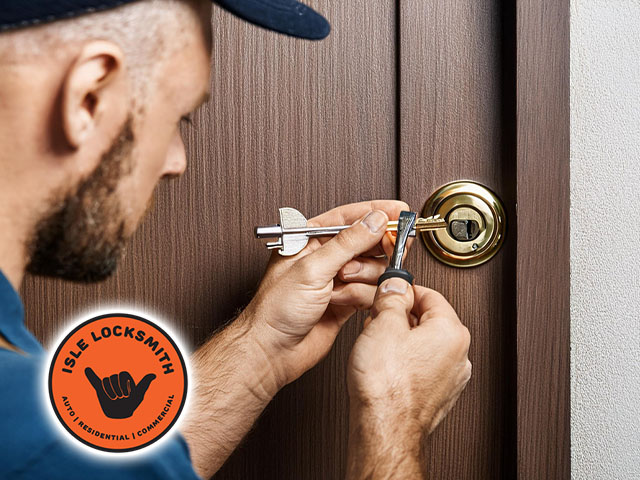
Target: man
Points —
{"points": [[89, 122]]}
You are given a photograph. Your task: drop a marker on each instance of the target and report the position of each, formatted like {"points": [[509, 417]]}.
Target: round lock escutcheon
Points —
{"points": [[476, 224]]}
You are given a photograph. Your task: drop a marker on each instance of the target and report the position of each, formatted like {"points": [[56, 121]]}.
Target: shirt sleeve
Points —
{"points": [[35, 448], [59, 461]]}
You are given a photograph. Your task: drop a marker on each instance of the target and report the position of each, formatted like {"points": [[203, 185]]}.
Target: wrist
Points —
{"points": [[384, 420], [265, 355], [382, 444]]}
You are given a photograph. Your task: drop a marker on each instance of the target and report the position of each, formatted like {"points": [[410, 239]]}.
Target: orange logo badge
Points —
{"points": [[117, 382]]}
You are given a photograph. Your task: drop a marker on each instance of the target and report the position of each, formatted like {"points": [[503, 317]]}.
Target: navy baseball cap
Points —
{"points": [[285, 16]]}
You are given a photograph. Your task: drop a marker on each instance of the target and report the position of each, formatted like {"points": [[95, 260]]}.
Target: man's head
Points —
{"points": [[89, 123]]}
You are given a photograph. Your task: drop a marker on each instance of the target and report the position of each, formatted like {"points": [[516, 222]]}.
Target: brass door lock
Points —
{"points": [[476, 224]]}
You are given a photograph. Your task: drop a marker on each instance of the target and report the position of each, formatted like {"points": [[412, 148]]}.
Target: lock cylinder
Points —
{"points": [[476, 224]]}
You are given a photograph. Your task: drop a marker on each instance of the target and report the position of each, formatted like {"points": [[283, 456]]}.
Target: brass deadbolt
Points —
{"points": [[476, 220]]}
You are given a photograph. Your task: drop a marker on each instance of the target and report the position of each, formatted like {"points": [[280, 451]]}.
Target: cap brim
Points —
{"points": [[284, 16]]}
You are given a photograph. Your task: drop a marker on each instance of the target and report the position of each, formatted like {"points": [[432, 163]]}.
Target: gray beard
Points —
{"points": [[82, 237]]}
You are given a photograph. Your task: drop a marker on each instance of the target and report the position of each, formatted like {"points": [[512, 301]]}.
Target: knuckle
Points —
{"points": [[464, 336], [459, 338], [345, 239], [375, 310], [351, 295], [468, 370], [433, 295], [454, 334], [430, 299], [392, 299], [388, 303], [443, 326], [391, 204], [304, 268]]}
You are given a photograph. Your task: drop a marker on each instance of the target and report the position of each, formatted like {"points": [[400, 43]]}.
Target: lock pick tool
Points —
{"points": [[292, 233], [406, 223]]}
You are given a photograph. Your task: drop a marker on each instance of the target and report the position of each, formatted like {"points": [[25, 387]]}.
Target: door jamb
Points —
{"points": [[543, 284]]}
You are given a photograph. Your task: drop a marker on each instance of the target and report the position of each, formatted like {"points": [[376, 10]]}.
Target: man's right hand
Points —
{"points": [[406, 371]]}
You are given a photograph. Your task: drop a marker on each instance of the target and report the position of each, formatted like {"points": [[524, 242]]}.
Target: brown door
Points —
{"points": [[400, 99]]}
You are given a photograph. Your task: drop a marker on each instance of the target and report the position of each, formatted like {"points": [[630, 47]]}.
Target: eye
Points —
{"points": [[186, 119]]}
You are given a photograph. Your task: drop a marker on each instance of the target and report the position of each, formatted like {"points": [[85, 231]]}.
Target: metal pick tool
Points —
{"points": [[292, 233], [405, 225]]}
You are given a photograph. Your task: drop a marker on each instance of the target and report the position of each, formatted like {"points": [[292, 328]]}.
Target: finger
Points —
{"points": [[389, 242], [377, 251], [358, 295], [115, 384], [363, 270], [106, 384], [126, 383], [142, 387], [386, 245], [339, 314], [328, 327], [429, 304], [393, 302], [327, 260], [348, 214], [95, 381]]}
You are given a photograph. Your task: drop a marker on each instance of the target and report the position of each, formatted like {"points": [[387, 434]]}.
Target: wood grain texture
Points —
{"points": [[400, 99], [290, 123], [543, 239], [456, 109]]}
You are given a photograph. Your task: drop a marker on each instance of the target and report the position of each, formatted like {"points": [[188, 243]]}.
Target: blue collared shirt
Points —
{"points": [[32, 447]]}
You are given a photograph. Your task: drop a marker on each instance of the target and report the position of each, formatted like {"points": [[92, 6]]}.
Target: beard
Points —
{"points": [[82, 236]]}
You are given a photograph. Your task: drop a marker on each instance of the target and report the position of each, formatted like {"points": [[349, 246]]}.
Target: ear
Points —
{"points": [[94, 93]]}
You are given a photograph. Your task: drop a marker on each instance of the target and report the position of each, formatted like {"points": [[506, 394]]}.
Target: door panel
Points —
{"points": [[455, 106], [401, 98], [290, 123], [308, 125]]}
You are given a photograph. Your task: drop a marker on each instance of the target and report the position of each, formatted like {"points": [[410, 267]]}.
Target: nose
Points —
{"points": [[176, 161]]}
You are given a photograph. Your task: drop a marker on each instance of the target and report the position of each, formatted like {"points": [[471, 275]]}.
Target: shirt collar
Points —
{"points": [[12, 319]]}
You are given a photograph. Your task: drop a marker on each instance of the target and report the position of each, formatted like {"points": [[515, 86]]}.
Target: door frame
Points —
{"points": [[543, 268]]}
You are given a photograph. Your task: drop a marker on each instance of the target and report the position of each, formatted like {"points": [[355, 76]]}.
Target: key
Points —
{"points": [[292, 233]]}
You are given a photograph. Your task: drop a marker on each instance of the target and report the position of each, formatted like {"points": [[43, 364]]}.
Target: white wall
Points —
{"points": [[605, 239]]}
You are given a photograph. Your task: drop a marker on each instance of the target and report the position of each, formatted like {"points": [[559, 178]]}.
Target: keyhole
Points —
{"points": [[464, 230]]}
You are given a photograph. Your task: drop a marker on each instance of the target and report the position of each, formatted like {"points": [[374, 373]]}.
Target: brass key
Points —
{"points": [[421, 225]]}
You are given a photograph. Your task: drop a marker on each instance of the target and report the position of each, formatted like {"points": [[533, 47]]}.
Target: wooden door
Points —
{"points": [[401, 98]]}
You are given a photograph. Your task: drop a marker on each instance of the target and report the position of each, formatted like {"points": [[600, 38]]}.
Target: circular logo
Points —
{"points": [[117, 382]]}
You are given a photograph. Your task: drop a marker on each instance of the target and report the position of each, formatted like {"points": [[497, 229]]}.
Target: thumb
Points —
{"points": [[393, 303], [351, 242], [142, 387], [93, 379]]}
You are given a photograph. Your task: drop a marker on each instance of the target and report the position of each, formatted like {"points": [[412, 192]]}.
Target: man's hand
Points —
{"points": [[304, 300], [287, 328], [119, 396], [406, 371]]}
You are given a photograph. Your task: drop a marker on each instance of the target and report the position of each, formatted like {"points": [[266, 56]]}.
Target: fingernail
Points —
{"points": [[394, 285], [375, 221], [352, 267]]}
